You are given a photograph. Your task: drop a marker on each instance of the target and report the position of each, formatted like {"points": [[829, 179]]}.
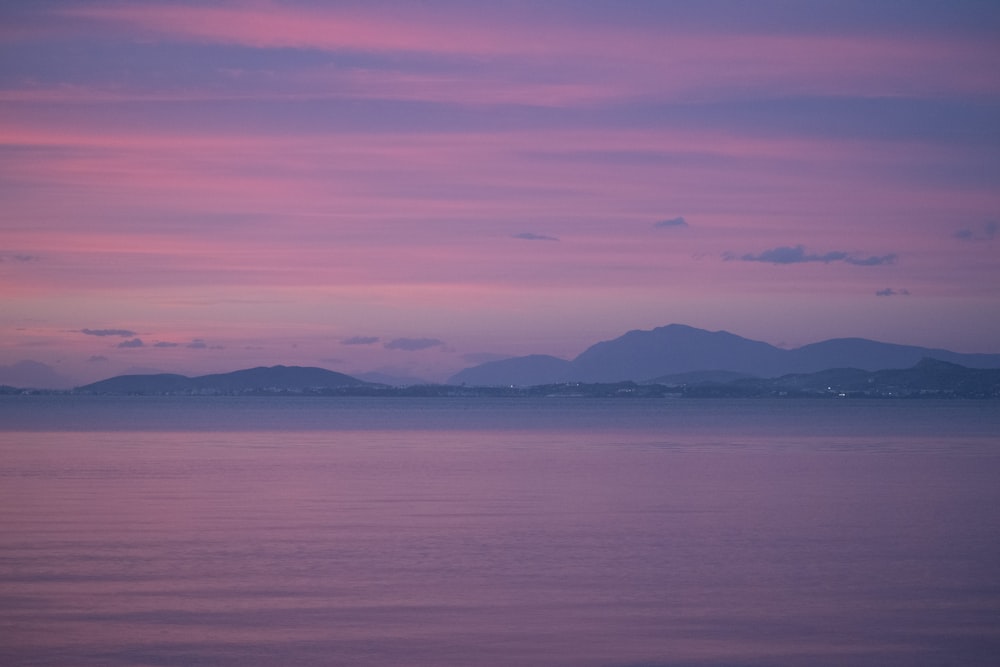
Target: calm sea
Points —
{"points": [[625, 533]]}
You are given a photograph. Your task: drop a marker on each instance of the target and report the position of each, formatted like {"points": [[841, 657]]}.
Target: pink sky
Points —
{"points": [[238, 184]]}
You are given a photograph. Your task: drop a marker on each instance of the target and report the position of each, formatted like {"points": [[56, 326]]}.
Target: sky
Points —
{"points": [[413, 188]]}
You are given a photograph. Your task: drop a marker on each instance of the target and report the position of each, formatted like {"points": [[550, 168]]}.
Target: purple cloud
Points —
{"points": [[987, 232], [124, 333], [888, 291], [135, 342], [360, 340], [18, 257], [798, 255], [672, 223], [413, 344], [529, 236]]}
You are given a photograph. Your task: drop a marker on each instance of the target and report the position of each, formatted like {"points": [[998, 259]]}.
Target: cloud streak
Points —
{"points": [[123, 333], [798, 255], [360, 340], [413, 344], [855, 62], [888, 291], [530, 236], [986, 232], [671, 223], [18, 257]]}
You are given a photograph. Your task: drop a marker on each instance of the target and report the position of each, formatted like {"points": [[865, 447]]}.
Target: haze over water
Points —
{"points": [[265, 531]]}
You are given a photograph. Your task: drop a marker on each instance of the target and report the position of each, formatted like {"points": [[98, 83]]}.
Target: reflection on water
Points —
{"points": [[591, 534]]}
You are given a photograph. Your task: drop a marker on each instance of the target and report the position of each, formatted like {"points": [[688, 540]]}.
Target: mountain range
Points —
{"points": [[675, 349], [675, 355], [929, 377], [274, 379]]}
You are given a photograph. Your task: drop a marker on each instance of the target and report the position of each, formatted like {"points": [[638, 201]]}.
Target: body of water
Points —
{"points": [[496, 532]]}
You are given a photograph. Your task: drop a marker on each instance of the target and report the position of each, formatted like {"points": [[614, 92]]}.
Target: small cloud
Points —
{"points": [[360, 340], [529, 236], [18, 257], [124, 333], [97, 359], [163, 343], [197, 344], [135, 342], [888, 291], [873, 260], [413, 344], [671, 223], [986, 232], [798, 255]]}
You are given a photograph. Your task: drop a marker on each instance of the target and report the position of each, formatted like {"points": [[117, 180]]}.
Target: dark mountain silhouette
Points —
{"points": [[274, 379], [642, 356], [676, 348]]}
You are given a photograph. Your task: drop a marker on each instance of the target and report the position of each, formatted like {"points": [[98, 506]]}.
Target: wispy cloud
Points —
{"points": [[986, 232], [18, 257], [195, 344], [360, 340], [529, 236], [413, 344], [123, 333], [97, 359], [858, 62], [671, 223], [135, 342], [888, 291], [872, 260], [798, 255]]}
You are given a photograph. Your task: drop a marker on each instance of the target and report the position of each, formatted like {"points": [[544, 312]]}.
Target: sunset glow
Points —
{"points": [[240, 184]]}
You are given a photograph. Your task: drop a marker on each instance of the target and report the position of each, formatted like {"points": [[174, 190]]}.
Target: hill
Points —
{"points": [[272, 380], [534, 369]]}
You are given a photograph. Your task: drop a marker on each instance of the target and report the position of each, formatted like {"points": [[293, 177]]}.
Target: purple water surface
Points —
{"points": [[572, 533]]}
